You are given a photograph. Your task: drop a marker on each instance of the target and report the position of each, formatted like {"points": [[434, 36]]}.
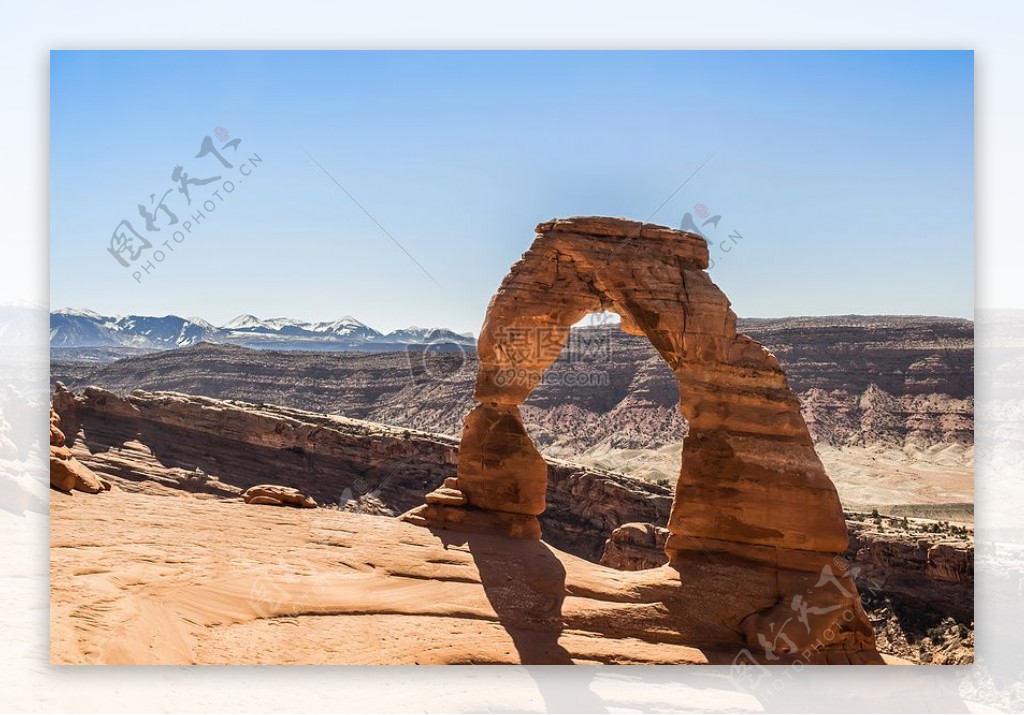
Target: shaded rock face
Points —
{"points": [[751, 487], [929, 576], [170, 442]]}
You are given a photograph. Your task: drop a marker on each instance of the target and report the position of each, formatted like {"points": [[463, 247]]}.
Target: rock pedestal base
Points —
{"points": [[474, 521]]}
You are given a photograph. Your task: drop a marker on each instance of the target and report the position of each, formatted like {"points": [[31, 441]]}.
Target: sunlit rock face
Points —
{"points": [[752, 495]]}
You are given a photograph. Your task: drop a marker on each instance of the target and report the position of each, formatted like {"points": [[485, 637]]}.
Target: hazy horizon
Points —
{"points": [[591, 320], [400, 187]]}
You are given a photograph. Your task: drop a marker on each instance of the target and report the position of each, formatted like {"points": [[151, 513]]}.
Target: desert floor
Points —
{"points": [[150, 579], [936, 481]]}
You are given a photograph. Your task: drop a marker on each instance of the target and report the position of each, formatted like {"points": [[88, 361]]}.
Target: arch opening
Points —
{"points": [[610, 403]]}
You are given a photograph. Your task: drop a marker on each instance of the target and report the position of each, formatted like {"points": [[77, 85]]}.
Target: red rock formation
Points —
{"points": [[170, 441], [635, 546], [66, 472], [276, 495], [751, 492]]}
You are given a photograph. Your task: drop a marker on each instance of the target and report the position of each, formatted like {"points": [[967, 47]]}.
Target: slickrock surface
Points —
{"points": [[751, 486], [159, 580]]}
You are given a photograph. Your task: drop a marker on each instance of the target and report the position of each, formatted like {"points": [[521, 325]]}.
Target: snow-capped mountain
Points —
{"points": [[347, 328], [85, 328], [417, 336], [72, 328]]}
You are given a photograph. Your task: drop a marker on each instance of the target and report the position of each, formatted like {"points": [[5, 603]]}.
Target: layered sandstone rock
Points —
{"points": [[171, 443], [67, 473], [752, 496], [842, 367], [635, 546], [276, 495]]}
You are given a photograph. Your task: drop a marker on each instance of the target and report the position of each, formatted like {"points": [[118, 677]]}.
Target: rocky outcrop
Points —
{"points": [[67, 473], [931, 575], [194, 450], [751, 487], [176, 443], [635, 547], [918, 587], [274, 495]]}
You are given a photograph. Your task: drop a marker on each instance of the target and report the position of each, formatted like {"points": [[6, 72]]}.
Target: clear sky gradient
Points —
{"points": [[849, 175]]}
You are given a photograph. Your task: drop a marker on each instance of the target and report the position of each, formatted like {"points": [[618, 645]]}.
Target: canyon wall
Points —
{"points": [[862, 380], [171, 441]]}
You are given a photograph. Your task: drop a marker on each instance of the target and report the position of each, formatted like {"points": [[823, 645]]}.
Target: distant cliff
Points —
{"points": [[862, 380]]}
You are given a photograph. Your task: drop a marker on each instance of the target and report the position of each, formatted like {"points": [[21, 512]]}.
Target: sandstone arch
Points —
{"points": [[751, 489]]}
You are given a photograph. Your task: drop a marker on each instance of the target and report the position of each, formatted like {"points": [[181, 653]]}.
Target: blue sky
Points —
{"points": [[849, 175]]}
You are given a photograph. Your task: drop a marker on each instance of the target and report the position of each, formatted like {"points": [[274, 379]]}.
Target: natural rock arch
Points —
{"points": [[751, 488]]}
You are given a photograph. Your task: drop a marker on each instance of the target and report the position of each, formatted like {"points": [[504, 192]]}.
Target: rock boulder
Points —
{"points": [[275, 495]]}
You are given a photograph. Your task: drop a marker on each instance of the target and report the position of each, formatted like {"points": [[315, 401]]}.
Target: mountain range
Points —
{"points": [[71, 328]]}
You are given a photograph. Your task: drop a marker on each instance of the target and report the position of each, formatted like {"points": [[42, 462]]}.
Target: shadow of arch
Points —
{"points": [[525, 586]]}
